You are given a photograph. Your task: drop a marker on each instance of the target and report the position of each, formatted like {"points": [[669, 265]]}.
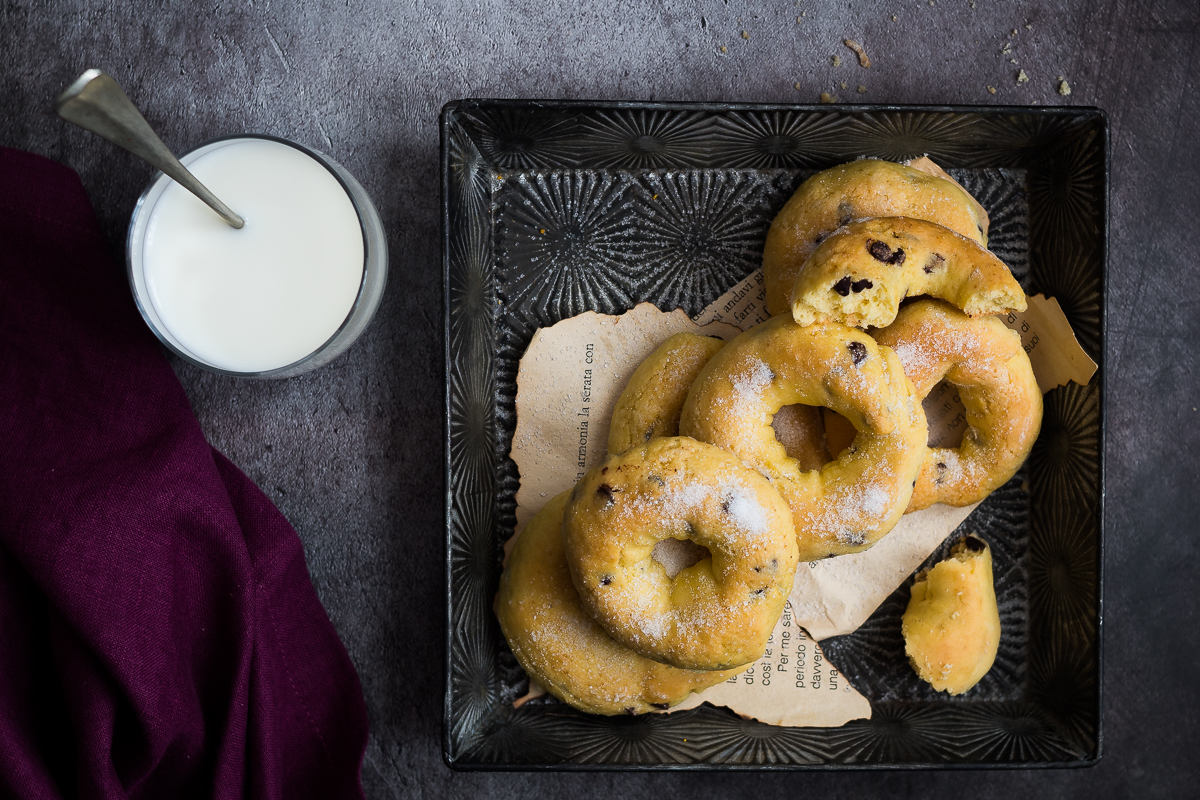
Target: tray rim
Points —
{"points": [[446, 119]]}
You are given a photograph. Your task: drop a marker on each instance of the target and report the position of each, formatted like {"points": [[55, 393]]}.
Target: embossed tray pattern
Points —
{"points": [[551, 209]]}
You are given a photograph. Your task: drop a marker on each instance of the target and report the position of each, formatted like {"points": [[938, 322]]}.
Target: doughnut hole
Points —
{"points": [[812, 435], [676, 555], [946, 415]]}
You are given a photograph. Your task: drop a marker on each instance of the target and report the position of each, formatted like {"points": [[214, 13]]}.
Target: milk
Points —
{"points": [[265, 296]]}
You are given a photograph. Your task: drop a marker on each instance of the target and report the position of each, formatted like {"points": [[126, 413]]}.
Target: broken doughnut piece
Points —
{"points": [[952, 626], [859, 275]]}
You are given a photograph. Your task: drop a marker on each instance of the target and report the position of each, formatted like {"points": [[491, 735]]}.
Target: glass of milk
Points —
{"points": [[283, 295]]}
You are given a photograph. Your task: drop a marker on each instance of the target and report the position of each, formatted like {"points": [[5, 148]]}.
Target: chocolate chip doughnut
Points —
{"points": [[952, 626], [860, 189], [715, 614], [649, 407], [984, 360], [849, 503], [859, 275], [560, 646]]}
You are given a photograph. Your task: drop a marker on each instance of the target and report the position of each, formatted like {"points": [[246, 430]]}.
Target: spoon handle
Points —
{"points": [[96, 102]]}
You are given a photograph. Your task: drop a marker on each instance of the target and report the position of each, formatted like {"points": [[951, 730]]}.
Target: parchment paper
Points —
{"points": [[567, 384]]}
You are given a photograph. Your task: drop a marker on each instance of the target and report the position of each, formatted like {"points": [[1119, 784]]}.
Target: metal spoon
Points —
{"points": [[95, 102]]}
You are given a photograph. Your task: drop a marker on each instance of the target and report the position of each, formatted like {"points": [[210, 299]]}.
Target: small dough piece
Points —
{"points": [[952, 626], [985, 361], [715, 614], [859, 275], [559, 645], [851, 502], [865, 188], [650, 405]]}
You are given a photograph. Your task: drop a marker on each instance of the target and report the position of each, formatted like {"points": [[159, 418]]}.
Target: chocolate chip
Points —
{"points": [[725, 505], [858, 351], [974, 545], [936, 260], [609, 494], [881, 252], [858, 286], [758, 569], [656, 479], [631, 711], [845, 213], [842, 287], [758, 592], [649, 434], [663, 706], [941, 476], [605, 580], [878, 250]]}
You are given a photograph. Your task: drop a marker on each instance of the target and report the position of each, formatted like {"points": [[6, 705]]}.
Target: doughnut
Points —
{"points": [[952, 626], [715, 614], [649, 407], [984, 360], [859, 275], [852, 501], [559, 645], [865, 188]]}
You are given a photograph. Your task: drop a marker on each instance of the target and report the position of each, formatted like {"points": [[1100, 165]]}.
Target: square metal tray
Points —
{"points": [[545, 215]]}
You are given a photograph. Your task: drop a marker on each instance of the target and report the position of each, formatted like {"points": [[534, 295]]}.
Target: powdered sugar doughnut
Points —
{"points": [[860, 189], [563, 648], [984, 360], [715, 614], [650, 405], [849, 503], [859, 275]]}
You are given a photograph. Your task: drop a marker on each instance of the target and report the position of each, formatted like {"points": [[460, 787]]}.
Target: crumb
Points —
{"points": [[797, 19], [837, 61], [1064, 88], [1007, 47], [894, 17], [745, 34], [1028, 27], [826, 97], [842, 85], [723, 49], [1012, 61], [930, 2], [862, 89], [1014, 32], [1022, 77], [796, 86], [863, 60], [991, 89]]}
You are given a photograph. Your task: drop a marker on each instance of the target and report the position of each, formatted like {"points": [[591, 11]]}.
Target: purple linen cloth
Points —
{"points": [[159, 634]]}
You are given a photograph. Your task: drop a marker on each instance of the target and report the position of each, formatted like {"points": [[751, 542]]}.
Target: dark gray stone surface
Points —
{"points": [[352, 453]]}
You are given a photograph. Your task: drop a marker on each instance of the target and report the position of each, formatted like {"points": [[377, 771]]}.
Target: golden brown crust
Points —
{"points": [[650, 405], [859, 275], [952, 625], [559, 645], [850, 503], [715, 614], [984, 360], [858, 190]]}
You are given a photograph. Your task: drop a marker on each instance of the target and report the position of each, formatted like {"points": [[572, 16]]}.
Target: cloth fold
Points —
{"points": [[159, 633]]}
